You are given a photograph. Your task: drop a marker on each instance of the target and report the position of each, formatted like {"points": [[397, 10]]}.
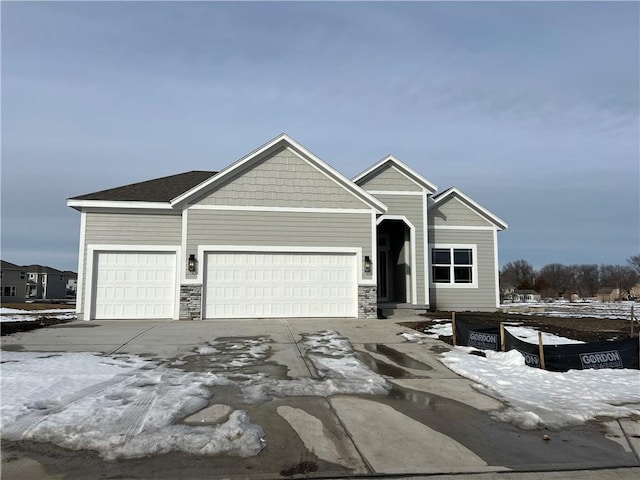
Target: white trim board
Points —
{"points": [[462, 227], [118, 204], [396, 192], [81, 261], [279, 209]]}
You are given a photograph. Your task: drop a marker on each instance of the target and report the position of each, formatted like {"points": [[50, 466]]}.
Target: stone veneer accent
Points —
{"points": [[190, 302], [367, 301]]}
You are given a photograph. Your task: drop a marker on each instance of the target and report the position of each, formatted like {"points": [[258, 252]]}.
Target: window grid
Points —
{"points": [[452, 265]]}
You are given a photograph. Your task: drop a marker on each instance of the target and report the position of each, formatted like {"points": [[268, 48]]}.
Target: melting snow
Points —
{"points": [[127, 406], [539, 398]]}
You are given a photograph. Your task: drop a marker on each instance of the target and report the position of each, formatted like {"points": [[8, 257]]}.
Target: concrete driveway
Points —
{"points": [[431, 421]]}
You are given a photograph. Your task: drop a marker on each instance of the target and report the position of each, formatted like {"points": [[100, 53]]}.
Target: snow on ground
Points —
{"points": [[588, 308], [125, 406], [539, 398], [527, 334], [530, 335], [333, 358], [120, 406], [16, 315]]}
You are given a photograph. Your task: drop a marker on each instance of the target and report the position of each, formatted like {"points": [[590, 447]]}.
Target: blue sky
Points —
{"points": [[532, 109]]}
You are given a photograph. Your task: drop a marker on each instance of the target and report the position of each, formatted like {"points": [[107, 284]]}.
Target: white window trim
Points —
{"points": [[474, 265]]}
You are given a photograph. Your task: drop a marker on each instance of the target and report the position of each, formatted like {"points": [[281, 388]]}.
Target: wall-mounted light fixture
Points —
{"points": [[191, 264], [367, 264]]}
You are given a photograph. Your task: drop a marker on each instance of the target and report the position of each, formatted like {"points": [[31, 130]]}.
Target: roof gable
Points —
{"points": [[283, 179], [454, 193], [391, 166], [269, 150]]}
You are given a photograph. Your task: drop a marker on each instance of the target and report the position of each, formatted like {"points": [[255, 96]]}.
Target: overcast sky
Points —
{"points": [[532, 109]]}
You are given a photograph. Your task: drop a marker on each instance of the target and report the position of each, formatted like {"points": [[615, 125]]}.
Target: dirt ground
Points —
{"points": [[585, 329], [44, 320]]}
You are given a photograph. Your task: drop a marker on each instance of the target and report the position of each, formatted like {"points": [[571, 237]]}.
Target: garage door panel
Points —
{"points": [[134, 285], [245, 285]]}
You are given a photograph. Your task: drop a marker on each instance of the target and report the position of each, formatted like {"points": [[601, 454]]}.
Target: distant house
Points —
{"points": [[13, 281], [608, 294], [528, 296], [511, 294], [45, 283], [72, 282]]}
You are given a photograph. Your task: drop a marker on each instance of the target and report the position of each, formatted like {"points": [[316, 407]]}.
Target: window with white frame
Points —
{"points": [[8, 291], [23, 275], [454, 265]]}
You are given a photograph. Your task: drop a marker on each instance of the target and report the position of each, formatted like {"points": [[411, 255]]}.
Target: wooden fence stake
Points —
{"points": [[502, 345], [541, 351], [453, 327]]}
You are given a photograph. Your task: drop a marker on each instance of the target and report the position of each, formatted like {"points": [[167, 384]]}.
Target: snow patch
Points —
{"points": [[540, 398]]}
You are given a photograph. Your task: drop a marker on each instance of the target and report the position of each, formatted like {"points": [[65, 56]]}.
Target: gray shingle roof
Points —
{"points": [[157, 190]]}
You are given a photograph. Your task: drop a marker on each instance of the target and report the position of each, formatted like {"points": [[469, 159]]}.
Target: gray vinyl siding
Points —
{"points": [[482, 298], [131, 228], [391, 179], [411, 206], [453, 212], [224, 227], [282, 180]]}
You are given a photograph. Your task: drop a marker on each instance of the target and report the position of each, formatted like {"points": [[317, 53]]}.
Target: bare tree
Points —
{"points": [[620, 277], [587, 279], [634, 261], [558, 277], [518, 273]]}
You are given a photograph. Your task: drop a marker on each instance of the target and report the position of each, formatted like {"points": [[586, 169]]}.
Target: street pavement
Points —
{"points": [[432, 422]]}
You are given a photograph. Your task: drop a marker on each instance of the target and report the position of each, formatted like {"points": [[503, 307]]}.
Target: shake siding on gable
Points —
{"points": [[282, 180], [482, 298], [390, 179], [265, 228], [410, 206], [453, 212]]}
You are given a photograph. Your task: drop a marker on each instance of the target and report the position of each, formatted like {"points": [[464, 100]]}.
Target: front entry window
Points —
{"points": [[453, 265]]}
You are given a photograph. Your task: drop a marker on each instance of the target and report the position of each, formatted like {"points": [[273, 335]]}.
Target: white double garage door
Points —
{"points": [[235, 284]]}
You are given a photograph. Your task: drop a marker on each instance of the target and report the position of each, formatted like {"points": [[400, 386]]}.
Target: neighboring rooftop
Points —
{"points": [[34, 268], [162, 189], [10, 266]]}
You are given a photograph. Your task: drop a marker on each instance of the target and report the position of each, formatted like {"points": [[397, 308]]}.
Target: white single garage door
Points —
{"points": [[265, 284], [134, 285]]}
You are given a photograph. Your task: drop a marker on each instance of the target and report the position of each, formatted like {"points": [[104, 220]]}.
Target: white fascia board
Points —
{"points": [[404, 169], [298, 149], [453, 191], [117, 205]]}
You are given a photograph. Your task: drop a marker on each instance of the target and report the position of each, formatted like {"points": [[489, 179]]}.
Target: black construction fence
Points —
{"points": [[558, 358]]}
